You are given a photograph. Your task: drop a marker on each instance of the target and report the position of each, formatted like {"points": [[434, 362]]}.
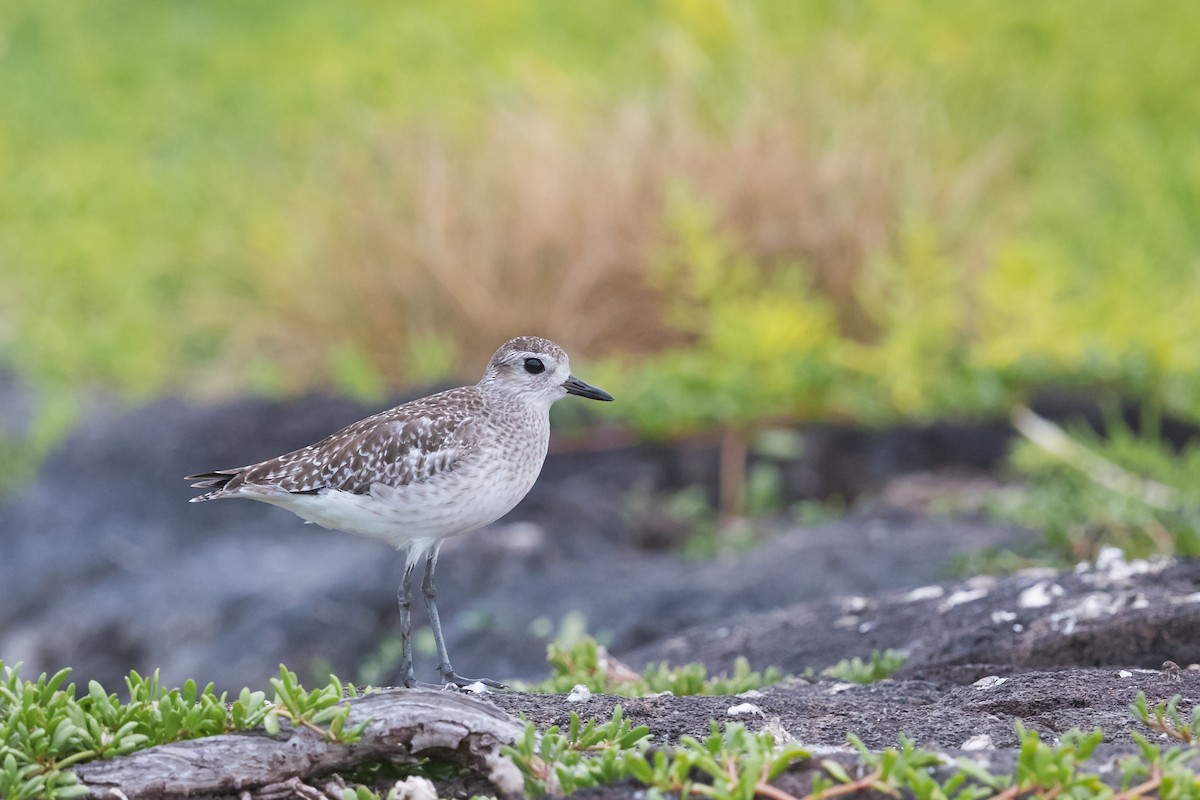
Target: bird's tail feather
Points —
{"points": [[217, 480]]}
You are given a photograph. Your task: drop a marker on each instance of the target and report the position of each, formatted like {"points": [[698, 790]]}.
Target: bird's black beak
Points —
{"points": [[575, 386]]}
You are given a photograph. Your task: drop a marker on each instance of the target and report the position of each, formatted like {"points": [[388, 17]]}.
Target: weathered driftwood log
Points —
{"points": [[405, 724]]}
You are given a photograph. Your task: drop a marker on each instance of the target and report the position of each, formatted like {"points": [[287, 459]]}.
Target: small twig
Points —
{"points": [[865, 782], [731, 478], [1164, 541], [290, 789], [292, 718], [1141, 789], [1162, 726], [731, 769], [767, 790]]}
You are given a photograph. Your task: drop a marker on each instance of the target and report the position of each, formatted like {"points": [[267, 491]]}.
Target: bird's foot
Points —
{"points": [[409, 679], [452, 680]]}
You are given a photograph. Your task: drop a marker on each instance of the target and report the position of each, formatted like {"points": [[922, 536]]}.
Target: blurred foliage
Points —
{"points": [[1154, 507], [583, 662], [879, 666], [760, 210], [47, 726], [762, 344], [22, 451]]}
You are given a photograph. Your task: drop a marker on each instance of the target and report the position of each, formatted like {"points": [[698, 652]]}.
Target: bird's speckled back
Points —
{"points": [[436, 466]]}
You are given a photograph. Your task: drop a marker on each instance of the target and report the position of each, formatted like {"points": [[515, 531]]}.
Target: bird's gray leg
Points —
{"points": [[404, 596], [427, 588]]}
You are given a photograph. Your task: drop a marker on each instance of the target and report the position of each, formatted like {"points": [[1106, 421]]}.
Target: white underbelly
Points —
{"points": [[457, 502]]}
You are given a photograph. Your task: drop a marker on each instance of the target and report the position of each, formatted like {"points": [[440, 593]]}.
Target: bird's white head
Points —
{"points": [[535, 370]]}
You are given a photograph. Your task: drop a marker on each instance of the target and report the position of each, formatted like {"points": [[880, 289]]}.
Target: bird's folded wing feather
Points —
{"points": [[390, 448]]}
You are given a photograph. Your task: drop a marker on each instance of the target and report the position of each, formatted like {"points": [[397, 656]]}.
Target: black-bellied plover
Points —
{"points": [[431, 468]]}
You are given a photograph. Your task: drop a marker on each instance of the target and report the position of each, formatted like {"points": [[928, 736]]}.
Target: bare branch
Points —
{"points": [[406, 724]]}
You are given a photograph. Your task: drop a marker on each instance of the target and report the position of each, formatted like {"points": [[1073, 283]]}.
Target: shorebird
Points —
{"points": [[423, 471]]}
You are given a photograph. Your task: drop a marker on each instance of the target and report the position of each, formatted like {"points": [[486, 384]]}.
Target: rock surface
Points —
{"points": [[935, 715], [400, 726], [976, 720], [105, 567], [1112, 613]]}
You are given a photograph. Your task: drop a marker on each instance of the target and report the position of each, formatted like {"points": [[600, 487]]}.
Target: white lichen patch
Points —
{"points": [[962, 596], [1000, 616], [986, 582], [774, 726], [855, 604], [743, 710], [1094, 605], [1040, 594], [1111, 567], [980, 741], [924, 593], [414, 787]]}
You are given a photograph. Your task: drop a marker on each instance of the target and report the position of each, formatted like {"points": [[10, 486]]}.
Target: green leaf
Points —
{"points": [[836, 770]]}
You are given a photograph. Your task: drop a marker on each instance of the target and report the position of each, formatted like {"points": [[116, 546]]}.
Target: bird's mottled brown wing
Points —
{"points": [[408, 444]]}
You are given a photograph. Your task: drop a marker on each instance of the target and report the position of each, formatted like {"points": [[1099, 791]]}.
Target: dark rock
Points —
{"points": [[1116, 613], [821, 714], [107, 568], [973, 721]]}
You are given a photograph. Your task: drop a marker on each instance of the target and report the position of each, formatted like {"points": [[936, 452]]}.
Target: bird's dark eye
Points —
{"points": [[534, 366]]}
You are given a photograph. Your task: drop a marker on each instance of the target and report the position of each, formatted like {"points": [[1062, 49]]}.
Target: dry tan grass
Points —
{"points": [[530, 231], [538, 227]]}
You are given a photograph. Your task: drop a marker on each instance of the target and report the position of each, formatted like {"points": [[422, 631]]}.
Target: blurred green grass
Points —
{"points": [[214, 197], [147, 146]]}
